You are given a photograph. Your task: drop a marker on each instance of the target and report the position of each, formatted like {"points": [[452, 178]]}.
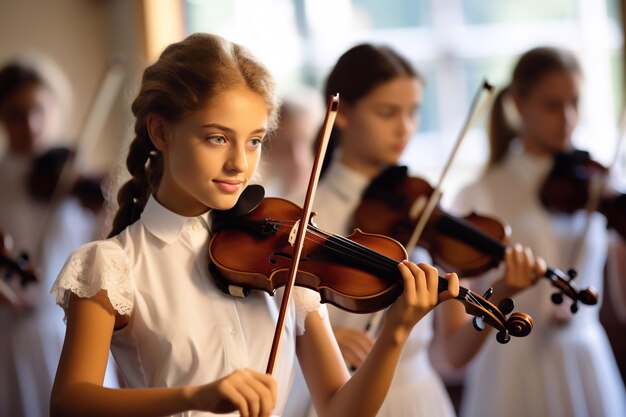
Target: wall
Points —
{"points": [[81, 36]]}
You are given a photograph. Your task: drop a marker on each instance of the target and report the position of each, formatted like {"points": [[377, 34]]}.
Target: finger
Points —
{"points": [[454, 286], [529, 261], [432, 282], [264, 393], [540, 267], [251, 398], [270, 382], [232, 394], [410, 286]]}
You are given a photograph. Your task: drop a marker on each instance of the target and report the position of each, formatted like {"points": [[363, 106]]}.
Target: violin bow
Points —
{"points": [[477, 108], [100, 108], [302, 224], [598, 184]]}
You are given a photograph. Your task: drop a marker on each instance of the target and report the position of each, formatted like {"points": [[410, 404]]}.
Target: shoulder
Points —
{"points": [[95, 266]]}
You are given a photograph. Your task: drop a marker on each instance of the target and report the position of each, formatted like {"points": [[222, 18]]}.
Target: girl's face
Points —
{"points": [[211, 154], [549, 112], [24, 115], [376, 129]]}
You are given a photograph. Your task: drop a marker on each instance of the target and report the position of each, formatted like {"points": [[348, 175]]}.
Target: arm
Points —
{"points": [[78, 386], [461, 342], [334, 392]]}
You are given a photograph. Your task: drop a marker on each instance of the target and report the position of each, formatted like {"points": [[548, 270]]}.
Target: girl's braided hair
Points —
{"points": [[185, 76]]}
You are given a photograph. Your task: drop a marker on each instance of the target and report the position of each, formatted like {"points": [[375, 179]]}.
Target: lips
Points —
{"points": [[229, 186]]}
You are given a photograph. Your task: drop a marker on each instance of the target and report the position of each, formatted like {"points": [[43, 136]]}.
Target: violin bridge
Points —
{"points": [[293, 233]]}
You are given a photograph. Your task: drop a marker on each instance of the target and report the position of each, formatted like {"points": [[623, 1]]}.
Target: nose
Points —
{"points": [[571, 116], [406, 126], [237, 159]]}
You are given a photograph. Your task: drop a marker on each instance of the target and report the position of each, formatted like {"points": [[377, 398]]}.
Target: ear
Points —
{"points": [[343, 116], [157, 128], [518, 101]]}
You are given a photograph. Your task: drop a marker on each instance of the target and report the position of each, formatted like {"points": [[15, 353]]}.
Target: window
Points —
{"points": [[454, 43]]}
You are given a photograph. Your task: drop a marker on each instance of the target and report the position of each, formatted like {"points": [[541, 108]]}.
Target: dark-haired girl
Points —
{"points": [[381, 94]]}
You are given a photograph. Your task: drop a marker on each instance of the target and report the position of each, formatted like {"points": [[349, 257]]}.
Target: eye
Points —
{"points": [[217, 139], [256, 142], [385, 113]]}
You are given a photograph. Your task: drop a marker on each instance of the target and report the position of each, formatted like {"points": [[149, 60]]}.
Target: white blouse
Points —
{"points": [[182, 330]]}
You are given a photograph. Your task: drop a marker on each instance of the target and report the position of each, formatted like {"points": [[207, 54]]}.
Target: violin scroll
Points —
{"points": [[517, 324], [566, 286]]}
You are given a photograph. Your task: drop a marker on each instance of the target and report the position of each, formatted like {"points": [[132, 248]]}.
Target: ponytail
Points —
{"points": [[501, 132]]}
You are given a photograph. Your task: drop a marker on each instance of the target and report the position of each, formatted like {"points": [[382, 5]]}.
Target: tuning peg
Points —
{"points": [[479, 323], [572, 273], [488, 293], [557, 298], [503, 337], [506, 305], [574, 307]]}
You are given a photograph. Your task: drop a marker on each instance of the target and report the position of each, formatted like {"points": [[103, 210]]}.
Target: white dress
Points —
{"points": [[416, 389], [566, 370], [183, 330], [31, 340]]}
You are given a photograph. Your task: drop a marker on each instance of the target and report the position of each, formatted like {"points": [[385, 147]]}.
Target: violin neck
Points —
{"points": [[467, 233]]}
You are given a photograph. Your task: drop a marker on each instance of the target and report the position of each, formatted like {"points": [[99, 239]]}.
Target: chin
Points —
{"points": [[223, 203]]}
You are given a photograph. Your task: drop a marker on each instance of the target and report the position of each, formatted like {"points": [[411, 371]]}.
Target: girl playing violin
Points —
{"points": [[184, 347], [566, 368], [381, 94]]}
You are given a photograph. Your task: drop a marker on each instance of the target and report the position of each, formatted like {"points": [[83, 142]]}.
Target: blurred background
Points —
{"points": [[454, 43]]}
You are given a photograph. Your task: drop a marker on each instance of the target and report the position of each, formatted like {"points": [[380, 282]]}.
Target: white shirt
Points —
{"points": [[182, 329]]}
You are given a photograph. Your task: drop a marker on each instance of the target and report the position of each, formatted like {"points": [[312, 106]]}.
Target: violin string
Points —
{"points": [[360, 252], [382, 261], [355, 250]]}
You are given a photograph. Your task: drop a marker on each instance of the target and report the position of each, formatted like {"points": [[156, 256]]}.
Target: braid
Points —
{"points": [[145, 166], [185, 76]]}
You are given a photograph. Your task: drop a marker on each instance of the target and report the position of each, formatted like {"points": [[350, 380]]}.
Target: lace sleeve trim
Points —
{"points": [[93, 267], [307, 301]]}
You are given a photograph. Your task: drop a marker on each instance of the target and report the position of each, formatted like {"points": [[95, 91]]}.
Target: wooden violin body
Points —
{"points": [[469, 245], [357, 273], [567, 188]]}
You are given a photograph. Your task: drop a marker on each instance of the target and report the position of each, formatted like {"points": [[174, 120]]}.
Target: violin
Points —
{"points": [[251, 249], [568, 188], [469, 245], [46, 171], [12, 266]]}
